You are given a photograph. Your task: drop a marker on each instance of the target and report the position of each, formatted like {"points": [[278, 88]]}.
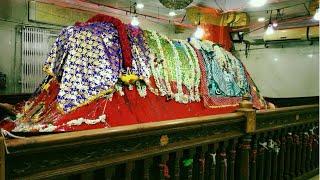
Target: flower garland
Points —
{"points": [[179, 96], [79, 121], [197, 71], [188, 76], [165, 66], [155, 65], [190, 80], [141, 88]]}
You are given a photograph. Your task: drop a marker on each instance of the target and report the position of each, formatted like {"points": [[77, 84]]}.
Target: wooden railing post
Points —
{"points": [[288, 161], [147, 163], [231, 159], [309, 150], [299, 151], [304, 150], [187, 164], [175, 160], [211, 162], [293, 158], [253, 158], [316, 147], [275, 155], [246, 107], [244, 158], [282, 152], [222, 162], [268, 157], [2, 158], [262, 144]]}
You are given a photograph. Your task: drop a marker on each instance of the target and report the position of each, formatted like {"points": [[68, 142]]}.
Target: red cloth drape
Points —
{"points": [[121, 110], [218, 34]]}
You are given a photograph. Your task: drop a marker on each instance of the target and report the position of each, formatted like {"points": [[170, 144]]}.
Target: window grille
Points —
{"points": [[36, 43]]}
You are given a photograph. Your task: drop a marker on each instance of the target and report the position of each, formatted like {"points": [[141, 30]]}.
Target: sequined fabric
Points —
{"points": [[89, 60]]}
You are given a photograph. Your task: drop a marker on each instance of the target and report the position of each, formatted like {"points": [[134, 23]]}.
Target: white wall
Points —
{"points": [[291, 71]]}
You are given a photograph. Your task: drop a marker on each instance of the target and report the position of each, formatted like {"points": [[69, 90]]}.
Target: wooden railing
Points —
{"points": [[249, 144]]}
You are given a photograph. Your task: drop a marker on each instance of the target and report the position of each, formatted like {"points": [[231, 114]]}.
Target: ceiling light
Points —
{"points": [[140, 6], [261, 19], [134, 21], [317, 15], [275, 59], [275, 24], [310, 55], [198, 34], [172, 13], [257, 3], [269, 30]]}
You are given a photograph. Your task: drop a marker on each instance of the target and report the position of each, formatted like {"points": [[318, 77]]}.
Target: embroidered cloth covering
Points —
{"points": [[140, 53], [84, 90], [87, 61], [224, 79]]}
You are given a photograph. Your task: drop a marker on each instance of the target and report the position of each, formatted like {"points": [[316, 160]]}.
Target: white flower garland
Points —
{"points": [[197, 72], [165, 67], [179, 97], [79, 121], [141, 88], [155, 73], [190, 81]]}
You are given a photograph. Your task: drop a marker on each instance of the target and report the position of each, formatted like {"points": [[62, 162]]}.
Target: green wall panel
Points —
{"points": [[52, 14]]}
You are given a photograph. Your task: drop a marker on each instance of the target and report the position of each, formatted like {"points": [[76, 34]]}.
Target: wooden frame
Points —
{"points": [[63, 154]]}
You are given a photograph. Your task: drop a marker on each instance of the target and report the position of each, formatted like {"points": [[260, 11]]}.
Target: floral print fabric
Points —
{"points": [[225, 74]]}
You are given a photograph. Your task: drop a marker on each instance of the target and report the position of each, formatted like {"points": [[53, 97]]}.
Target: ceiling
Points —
{"points": [[156, 9]]}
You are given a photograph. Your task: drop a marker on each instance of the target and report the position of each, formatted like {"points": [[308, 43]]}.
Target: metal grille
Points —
{"points": [[35, 48]]}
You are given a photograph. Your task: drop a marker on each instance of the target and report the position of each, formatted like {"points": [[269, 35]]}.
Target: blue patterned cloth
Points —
{"points": [[87, 60], [225, 74]]}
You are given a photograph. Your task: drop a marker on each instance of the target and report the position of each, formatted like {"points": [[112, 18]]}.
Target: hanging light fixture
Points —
{"points": [[274, 24], [134, 21], [257, 3], [175, 4], [140, 5], [269, 30], [172, 13], [261, 19], [198, 34], [317, 15]]}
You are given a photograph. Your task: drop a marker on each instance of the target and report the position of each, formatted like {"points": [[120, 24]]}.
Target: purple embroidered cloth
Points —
{"points": [[87, 62], [140, 53]]}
